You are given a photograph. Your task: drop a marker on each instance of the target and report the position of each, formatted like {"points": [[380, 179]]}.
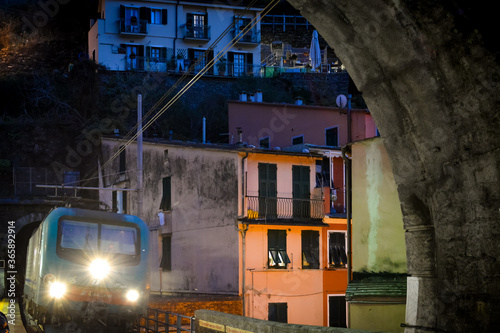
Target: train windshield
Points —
{"points": [[93, 238]]}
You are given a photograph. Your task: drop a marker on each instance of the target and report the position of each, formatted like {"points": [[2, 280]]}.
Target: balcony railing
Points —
{"points": [[251, 37], [268, 208], [133, 27], [152, 64], [197, 32]]}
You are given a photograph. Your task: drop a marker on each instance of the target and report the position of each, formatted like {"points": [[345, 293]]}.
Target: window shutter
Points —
{"points": [[163, 54], [115, 202], [122, 11], [191, 54], [189, 19], [166, 200], [124, 202], [164, 16], [148, 51], [145, 14]]}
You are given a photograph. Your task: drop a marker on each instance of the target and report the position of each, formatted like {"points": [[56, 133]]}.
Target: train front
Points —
{"points": [[98, 275]]}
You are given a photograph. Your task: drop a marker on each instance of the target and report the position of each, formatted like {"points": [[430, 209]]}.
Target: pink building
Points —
{"points": [[302, 128]]}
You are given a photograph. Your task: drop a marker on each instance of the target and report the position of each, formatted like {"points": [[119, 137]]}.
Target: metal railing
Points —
{"points": [[157, 320], [269, 208], [251, 37], [152, 64], [132, 26], [197, 32], [26, 179]]}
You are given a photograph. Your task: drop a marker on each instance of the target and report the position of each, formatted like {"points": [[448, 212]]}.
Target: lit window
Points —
{"points": [[336, 249], [277, 256], [310, 249]]}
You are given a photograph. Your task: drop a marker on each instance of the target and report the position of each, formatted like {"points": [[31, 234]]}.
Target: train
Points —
{"points": [[87, 268]]}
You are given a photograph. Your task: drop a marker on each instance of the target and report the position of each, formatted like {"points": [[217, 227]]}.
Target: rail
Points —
{"points": [[274, 208], [157, 320]]}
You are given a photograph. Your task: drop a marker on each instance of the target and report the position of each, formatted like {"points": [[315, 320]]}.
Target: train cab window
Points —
{"points": [[77, 240]]}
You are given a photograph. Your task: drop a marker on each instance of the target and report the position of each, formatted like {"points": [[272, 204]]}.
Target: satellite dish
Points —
{"points": [[341, 101]]}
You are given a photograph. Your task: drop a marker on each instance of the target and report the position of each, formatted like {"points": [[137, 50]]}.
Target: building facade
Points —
{"points": [[161, 36], [227, 220], [376, 294]]}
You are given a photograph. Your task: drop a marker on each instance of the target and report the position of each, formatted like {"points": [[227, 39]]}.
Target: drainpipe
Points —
{"points": [[176, 26], [243, 253], [348, 178], [243, 231]]}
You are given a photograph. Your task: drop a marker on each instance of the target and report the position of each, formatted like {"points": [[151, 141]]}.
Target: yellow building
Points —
{"points": [[376, 294]]}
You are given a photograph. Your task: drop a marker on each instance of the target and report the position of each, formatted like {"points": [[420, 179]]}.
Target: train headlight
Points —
{"points": [[132, 295], [57, 289], [99, 268]]}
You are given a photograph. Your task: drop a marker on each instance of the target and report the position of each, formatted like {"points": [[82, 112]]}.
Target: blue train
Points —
{"points": [[87, 269]]}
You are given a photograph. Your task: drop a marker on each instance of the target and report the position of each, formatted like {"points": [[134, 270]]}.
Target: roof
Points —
{"points": [[218, 146], [300, 106], [376, 285]]}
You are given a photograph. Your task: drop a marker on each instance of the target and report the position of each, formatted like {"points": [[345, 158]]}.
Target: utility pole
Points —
{"points": [[140, 190]]}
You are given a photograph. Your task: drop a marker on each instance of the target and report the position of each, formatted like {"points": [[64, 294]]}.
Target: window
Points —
{"points": [[277, 256], [203, 56], [120, 202], [298, 140], [332, 136], [337, 311], [79, 238], [336, 249], [240, 63], [264, 143], [166, 253], [134, 58], [196, 25], [166, 200], [158, 16], [278, 312], [310, 249]]}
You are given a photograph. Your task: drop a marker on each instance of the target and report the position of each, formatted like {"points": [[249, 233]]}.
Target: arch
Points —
{"points": [[429, 75]]}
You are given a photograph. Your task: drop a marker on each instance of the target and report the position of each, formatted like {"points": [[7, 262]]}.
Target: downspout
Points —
{"points": [[176, 25], [347, 161], [243, 233]]}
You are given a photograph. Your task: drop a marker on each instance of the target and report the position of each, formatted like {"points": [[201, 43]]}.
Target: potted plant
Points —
{"points": [[221, 66]]}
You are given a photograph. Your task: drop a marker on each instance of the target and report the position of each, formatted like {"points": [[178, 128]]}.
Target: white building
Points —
{"points": [[169, 35]]}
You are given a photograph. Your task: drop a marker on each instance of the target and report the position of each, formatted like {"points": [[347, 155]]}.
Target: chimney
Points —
{"points": [[243, 96], [251, 97], [298, 100], [258, 96]]}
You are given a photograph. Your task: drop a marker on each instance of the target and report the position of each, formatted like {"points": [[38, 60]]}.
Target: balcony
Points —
{"points": [[252, 37], [197, 33], [268, 208], [133, 27]]}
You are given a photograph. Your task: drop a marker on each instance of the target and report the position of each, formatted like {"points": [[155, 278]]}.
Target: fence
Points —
{"points": [[157, 320]]}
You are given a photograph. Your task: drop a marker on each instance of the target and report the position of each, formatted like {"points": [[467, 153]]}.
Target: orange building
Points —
{"points": [[293, 259]]}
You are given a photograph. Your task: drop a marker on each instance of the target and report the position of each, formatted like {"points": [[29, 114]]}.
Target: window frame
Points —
{"points": [[297, 137], [268, 142], [276, 252], [279, 308], [166, 199], [329, 259], [326, 136], [310, 242], [166, 255]]}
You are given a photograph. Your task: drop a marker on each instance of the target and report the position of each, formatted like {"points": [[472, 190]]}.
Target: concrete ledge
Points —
{"points": [[208, 321]]}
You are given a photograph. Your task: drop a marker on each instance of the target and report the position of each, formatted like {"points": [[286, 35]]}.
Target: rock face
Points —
{"points": [[430, 80]]}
